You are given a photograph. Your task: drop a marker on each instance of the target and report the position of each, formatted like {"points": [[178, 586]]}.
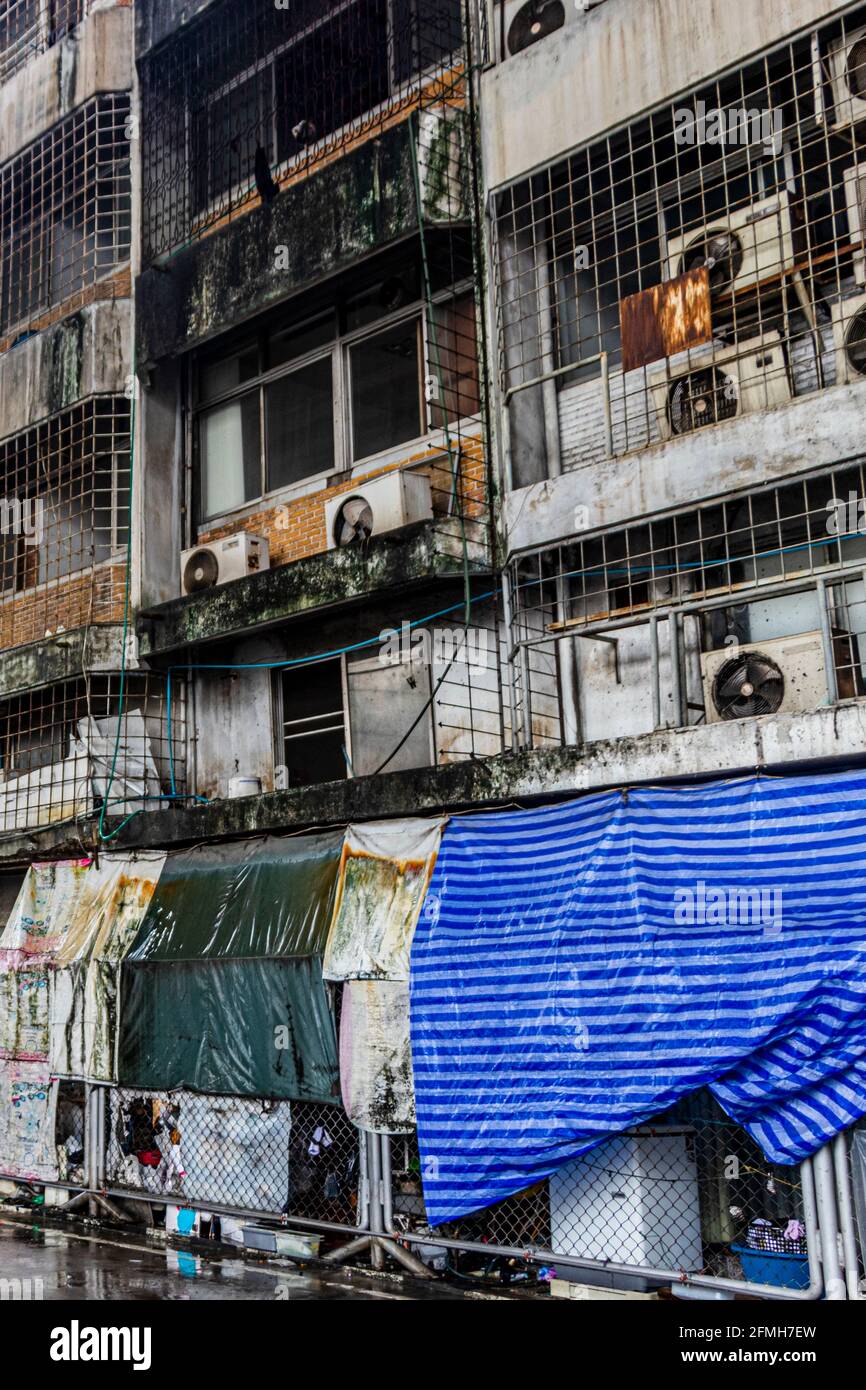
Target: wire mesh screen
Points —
{"points": [[740, 205], [28, 27], [680, 1196], [64, 521], [258, 92], [65, 215], [280, 1157], [667, 622], [67, 747]]}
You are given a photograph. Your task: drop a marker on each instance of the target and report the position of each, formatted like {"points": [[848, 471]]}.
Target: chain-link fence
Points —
{"points": [[690, 1194], [297, 1159], [688, 1198]]}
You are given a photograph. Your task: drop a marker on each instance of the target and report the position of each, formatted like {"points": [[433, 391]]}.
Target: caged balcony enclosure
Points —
{"points": [[751, 605], [259, 93], [703, 262]]}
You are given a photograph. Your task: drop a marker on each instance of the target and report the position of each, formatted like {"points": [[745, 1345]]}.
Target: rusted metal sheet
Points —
{"points": [[666, 319]]}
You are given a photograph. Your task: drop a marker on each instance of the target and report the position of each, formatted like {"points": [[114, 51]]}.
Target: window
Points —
{"points": [[308, 397], [28, 27], [387, 706], [314, 726], [385, 374]]}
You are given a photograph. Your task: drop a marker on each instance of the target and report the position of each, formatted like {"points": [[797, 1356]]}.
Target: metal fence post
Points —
{"points": [[845, 1200], [825, 1187]]}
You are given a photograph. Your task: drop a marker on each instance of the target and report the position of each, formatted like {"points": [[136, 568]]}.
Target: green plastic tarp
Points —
{"points": [[222, 991]]}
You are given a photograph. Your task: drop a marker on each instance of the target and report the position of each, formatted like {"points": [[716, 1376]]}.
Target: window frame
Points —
{"points": [[339, 350]]}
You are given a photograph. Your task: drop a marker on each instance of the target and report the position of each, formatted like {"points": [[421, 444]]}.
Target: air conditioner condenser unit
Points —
{"points": [[221, 561], [786, 675], [740, 248], [849, 336], [720, 385], [846, 60], [383, 504]]}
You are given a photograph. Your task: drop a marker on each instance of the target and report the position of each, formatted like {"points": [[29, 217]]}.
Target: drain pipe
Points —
{"points": [[846, 1216], [825, 1188]]}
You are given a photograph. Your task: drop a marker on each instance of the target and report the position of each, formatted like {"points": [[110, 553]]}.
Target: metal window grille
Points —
{"points": [[57, 747], [284, 85], [29, 27], [754, 567], [64, 521], [65, 212], [753, 182]]}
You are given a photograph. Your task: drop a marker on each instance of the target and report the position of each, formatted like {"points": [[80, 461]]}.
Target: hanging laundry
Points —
{"points": [[573, 975]]}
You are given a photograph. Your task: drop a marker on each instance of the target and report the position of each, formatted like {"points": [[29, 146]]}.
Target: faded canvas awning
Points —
{"points": [[102, 924], [222, 991], [384, 873]]}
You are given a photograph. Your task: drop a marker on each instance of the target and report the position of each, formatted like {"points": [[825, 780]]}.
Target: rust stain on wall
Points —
{"points": [[666, 319]]}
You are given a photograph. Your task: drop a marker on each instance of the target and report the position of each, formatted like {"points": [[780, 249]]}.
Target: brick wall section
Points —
{"points": [[296, 529], [94, 596]]}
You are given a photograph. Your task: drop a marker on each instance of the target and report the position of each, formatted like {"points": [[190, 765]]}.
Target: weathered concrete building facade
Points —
{"points": [[495, 404], [677, 203]]}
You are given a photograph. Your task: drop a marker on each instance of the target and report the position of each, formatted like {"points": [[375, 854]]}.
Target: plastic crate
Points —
{"points": [[783, 1271]]}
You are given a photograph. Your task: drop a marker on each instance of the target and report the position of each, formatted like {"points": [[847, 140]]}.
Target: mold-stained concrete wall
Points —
{"points": [[95, 57], [86, 353], [622, 58], [320, 225]]}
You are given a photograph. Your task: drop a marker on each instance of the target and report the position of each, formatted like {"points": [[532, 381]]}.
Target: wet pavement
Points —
{"points": [[83, 1267]]}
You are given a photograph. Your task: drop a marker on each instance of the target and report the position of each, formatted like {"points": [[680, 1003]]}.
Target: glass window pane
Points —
{"points": [[218, 375], [230, 452], [301, 424], [314, 732], [287, 344], [385, 390]]}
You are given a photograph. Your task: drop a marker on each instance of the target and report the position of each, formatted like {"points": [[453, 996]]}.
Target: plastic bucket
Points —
{"points": [[768, 1267]]}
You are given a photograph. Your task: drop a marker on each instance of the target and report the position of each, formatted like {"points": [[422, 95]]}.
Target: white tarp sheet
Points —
{"points": [[85, 980], [28, 1105], [384, 873], [376, 1056]]}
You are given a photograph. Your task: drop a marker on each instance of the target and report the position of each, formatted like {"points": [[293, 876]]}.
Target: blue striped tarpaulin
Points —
{"points": [[578, 969]]}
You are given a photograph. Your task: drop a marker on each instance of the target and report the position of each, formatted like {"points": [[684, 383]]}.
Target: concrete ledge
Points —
{"points": [[85, 354], [622, 58], [58, 658], [325, 223], [825, 739], [157, 20], [815, 431], [96, 57], [391, 562]]}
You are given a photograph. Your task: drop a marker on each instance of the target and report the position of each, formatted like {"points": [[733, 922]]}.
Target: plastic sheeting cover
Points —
{"points": [[28, 947], [578, 969], [102, 925], [384, 872], [375, 1056], [222, 991]]}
